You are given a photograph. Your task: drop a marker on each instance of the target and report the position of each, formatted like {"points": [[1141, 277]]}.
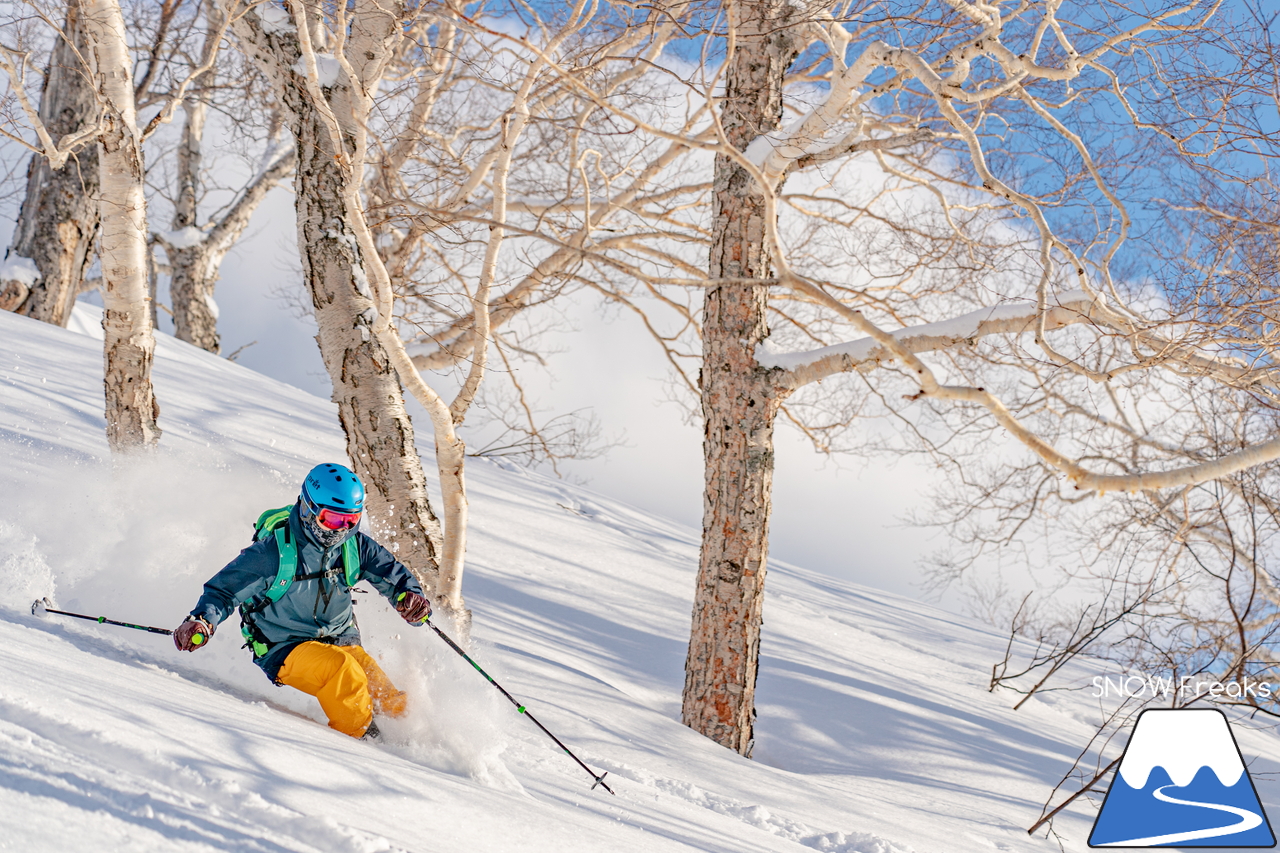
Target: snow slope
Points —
{"points": [[875, 733]]}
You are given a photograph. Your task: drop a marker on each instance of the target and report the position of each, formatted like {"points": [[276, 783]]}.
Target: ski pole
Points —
{"points": [[522, 709], [41, 605]]}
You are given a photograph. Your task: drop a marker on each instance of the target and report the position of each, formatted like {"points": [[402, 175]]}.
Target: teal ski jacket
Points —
{"points": [[316, 606]]}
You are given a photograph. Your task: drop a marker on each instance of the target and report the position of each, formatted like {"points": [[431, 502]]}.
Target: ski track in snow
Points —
{"points": [[876, 731], [757, 816], [149, 801], [165, 803]]}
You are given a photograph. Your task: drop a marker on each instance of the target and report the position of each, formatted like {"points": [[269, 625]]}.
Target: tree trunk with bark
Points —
{"points": [[380, 439], [366, 387], [129, 340], [739, 401], [196, 254], [191, 281], [58, 221]]}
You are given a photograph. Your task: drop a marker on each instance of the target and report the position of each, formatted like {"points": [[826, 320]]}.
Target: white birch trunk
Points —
{"points": [[129, 341], [366, 388], [380, 436]]}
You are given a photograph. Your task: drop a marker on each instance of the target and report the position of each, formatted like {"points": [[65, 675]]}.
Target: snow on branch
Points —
{"points": [[274, 19], [20, 269], [833, 124], [328, 69], [905, 344], [866, 353]]}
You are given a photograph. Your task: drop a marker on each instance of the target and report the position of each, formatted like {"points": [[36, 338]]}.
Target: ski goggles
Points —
{"points": [[333, 519]]}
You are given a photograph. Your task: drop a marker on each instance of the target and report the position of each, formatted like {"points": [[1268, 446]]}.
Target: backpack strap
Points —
{"points": [[285, 573], [351, 560], [288, 569], [288, 565], [273, 521], [276, 521], [284, 579]]}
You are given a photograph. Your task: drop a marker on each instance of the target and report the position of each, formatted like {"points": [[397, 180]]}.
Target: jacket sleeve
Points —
{"points": [[387, 574], [241, 579]]}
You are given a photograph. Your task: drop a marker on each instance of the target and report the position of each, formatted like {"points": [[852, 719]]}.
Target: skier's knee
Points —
{"points": [[392, 703], [336, 678]]}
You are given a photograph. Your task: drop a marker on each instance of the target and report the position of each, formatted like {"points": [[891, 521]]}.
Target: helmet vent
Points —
{"points": [[333, 485]]}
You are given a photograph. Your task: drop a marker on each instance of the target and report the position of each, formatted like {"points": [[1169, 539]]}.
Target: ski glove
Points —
{"points": [[413, 607], [193, 633]]}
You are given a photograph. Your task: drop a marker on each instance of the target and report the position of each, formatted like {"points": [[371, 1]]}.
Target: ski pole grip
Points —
{"points": [[198, 639], [423, 621]]}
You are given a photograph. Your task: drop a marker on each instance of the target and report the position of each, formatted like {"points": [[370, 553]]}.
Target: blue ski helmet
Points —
{"points": [[331, 491]]}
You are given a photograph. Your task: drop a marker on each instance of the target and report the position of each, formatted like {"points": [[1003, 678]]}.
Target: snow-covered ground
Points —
{"points": [[876, 733]]}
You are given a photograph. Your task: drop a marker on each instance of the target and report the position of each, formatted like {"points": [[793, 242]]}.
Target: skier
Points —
{"points": [[293, 589]]}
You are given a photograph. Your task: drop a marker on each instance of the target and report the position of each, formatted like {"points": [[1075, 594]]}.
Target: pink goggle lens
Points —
{"points": [[334, 520]]}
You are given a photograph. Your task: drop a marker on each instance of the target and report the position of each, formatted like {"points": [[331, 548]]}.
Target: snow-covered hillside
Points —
{"points": [[876, 733]]}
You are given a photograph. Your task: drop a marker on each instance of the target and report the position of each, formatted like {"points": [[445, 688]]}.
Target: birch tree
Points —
{"points": [[194, 247], [1112, 336], [410, 185], [326, 98], [739, 402], [129, 343], [974, 291], [52, 243], [132, 409], [507, 178]]}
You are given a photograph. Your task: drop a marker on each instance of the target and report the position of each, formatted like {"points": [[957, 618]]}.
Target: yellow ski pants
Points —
{"points": [[349, 684]]}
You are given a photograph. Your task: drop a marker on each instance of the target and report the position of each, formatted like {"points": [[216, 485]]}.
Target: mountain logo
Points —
{"points": [[1182, 781]]}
